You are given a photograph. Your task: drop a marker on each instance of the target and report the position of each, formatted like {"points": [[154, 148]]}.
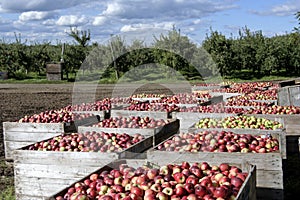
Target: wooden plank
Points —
{"points": [[33, 127], [269, 179], [64, 171], [40, 188], [10, 147], [28, 136], [27, 197], [267, 161], [127, 113], [248, 190], [129, 131], [60, 158]]}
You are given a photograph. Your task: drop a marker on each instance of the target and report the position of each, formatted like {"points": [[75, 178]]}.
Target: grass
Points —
{"points": [[8, 194]]}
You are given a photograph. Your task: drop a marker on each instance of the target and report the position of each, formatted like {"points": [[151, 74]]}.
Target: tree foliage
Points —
{"points": [[250, 52]]}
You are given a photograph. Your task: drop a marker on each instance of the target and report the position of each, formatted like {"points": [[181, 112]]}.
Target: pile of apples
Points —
{"points": [[104, 104], [244, 90], [183, 98], [216, 108], [239, 122], [144, 95], [263, 95], [220, 141], [54, 116], [131, 122], [275, 110], [88, 142], [233, 101], [145, 106], [169, 182], [120, 100], [255, 85]]}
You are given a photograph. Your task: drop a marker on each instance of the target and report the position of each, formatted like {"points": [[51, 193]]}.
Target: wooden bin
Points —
{"points": [[159, 133], [292, 129], [17, 135], [268, 165], [247, 191], [40, 174], [187, 119]]}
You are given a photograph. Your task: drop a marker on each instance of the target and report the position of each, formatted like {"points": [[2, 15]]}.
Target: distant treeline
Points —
{"points": [[250, 51]]}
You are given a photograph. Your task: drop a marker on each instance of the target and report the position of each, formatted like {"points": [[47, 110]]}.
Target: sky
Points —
{"points": [[50, 20]]}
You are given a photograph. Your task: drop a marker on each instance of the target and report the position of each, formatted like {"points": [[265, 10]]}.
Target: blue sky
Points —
{"points": [[48, 20]]}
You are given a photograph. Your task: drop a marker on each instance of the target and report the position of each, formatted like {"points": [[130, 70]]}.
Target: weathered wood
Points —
{"points": [[267, 161], [33, 127], [17, 135], [128, 113], [248, 190], [28, 137], [289, 96]]}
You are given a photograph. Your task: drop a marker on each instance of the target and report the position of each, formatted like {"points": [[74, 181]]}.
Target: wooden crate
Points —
{"points": [[187, 119], [269, 165], [278, 119], [292, 129], [247, 191], [159, 133], [40, 174], [17, 135]]}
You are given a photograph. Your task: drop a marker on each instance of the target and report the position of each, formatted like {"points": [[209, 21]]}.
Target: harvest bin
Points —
{"points": [[187, 119], [292, 129], [269, 165], [159, 134], [17, 135], [39, 174], [247, 191]]}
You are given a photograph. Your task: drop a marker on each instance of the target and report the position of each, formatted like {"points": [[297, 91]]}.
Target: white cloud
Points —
{"points": [[39, 5], [135, 27], [34, 15], [144, 9], [99, 20], [49, 22], [289, 8], [197, 21], [71, 20]]}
